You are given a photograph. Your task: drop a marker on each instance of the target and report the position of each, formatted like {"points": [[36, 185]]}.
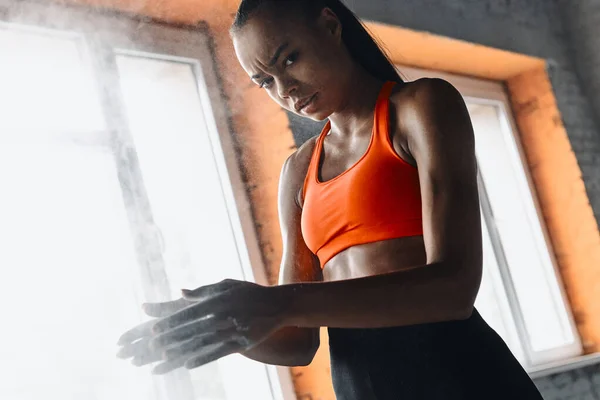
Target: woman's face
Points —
{"points": [[301, 64]]}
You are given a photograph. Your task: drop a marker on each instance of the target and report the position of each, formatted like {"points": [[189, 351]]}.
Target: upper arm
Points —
{"points": [[298, 263], [440, 137]]}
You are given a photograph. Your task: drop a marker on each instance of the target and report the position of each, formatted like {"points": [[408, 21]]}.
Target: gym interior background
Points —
{"points": [[534, 64]]}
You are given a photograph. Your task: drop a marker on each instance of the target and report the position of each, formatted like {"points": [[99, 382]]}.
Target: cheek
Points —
{"points": [[322, 77], [326, 62]]}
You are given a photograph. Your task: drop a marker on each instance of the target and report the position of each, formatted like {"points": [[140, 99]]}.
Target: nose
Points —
{"points": [[286, 88]]}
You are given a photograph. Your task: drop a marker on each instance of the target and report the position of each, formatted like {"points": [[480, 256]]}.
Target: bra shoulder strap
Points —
{"points": [[382, 109]]}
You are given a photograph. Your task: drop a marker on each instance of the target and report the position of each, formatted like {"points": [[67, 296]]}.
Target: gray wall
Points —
{"points": [[560, 32], [582, 23]]}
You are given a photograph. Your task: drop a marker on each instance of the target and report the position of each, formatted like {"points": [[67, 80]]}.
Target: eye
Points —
{"points": [[291, 59], [265, 84]]}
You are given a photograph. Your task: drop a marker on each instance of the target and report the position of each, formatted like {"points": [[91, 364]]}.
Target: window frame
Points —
{"points": [[104, 34], [482, 91]]}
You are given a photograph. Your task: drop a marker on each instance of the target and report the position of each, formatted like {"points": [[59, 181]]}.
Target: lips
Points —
{"points": [[299, 105]]}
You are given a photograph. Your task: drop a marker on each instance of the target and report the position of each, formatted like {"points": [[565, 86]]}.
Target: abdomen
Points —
{"points": [[376, 258]]}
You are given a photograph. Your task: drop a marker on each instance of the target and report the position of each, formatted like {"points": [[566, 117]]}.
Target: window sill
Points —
{"points": [[564, 365]]}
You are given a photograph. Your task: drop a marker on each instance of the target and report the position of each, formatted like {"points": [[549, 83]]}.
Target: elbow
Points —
{"points": [[302, 352], [303, 361], [464, 312], [289, 347], [307, 355], [302, 358], [467, 282], [462, 306], [306, 350]]}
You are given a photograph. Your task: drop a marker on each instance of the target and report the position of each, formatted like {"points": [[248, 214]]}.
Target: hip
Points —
{"points": [[446, 360]]}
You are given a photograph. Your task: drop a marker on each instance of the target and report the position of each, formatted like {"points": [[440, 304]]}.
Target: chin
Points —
{"points": [[317, 116]]}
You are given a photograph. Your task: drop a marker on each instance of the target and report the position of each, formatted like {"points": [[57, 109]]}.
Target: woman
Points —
{"points": [[380, 222]]}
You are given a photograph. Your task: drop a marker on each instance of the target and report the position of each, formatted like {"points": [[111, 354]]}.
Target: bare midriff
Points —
{"points": [[376, 258]]}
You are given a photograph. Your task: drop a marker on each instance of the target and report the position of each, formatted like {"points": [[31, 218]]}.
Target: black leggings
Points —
{"points": [[457, 360]]}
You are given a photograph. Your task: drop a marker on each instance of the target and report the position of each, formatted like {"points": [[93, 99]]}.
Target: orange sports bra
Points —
{"points": [[376, 199]]}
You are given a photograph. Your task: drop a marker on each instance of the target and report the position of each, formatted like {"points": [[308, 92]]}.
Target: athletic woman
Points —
{"points": [[380, 222]]}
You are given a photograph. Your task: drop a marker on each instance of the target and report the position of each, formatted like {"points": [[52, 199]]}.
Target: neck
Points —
{"points": [[357, 110]]}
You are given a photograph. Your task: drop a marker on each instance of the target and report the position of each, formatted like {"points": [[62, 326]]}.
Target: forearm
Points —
{"points": [[431, 293], [290, 347]]}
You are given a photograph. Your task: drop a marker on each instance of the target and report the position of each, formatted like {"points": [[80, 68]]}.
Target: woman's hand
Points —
{"points": [[136, 341], [208, 323]]}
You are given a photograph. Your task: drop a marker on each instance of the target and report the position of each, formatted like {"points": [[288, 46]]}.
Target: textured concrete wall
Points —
{"points": [[532, 27], [582, 24]]}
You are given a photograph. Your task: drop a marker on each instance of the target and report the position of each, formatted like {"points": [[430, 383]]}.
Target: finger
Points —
{"points": [[147, 358], [198, 311], [197, 328], [136, 333], [204, 356], [193, 345], [208, 291], [212, 354], [138, 348], [161, 310], [169, 366]]}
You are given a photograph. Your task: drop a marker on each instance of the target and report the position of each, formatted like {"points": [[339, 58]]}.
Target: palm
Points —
{"points": [[210, 323]]}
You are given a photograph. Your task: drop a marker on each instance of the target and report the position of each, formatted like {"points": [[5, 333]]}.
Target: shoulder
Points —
{"points": [[293, 173], [425, 86], [299, 160], [429, 106], [295, 167], [425, 96]]}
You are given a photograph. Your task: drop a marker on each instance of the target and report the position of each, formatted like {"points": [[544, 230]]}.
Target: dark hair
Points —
{"points": [[362, 47]]}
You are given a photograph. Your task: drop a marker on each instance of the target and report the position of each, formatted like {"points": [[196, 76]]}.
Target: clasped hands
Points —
{"points": [[206, 324]]}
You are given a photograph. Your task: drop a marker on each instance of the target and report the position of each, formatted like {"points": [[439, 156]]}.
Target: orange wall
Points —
{"points": [[262, 130], [562, 197]]}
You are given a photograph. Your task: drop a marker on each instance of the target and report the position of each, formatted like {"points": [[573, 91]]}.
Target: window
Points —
{"points": [[116, 190], [521, 295]]}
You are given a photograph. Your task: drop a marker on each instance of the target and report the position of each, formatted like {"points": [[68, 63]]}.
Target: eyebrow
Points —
{"points": [[275, 57], [278, 53]]}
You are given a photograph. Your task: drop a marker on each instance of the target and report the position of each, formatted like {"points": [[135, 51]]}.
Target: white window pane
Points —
{"points": [[69, 279], [520, 233], [179, 172], [184, 188], [492, 302], [45, 83]]}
